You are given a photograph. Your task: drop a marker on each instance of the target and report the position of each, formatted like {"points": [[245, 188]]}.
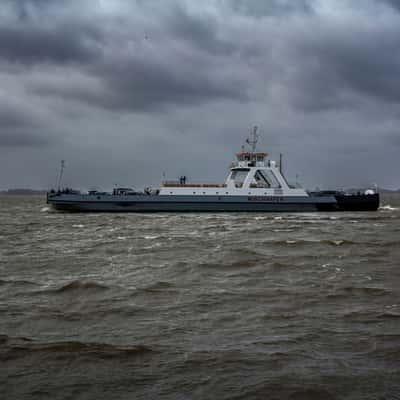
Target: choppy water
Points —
{"points": [[199, 306]]}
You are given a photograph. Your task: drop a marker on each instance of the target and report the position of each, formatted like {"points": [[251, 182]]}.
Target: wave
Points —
{"points": [[80, 347], [17, 282], [5, 339], [151, 237], [304, 242], [160, 287], [389, 315], [339, 242], [21, 344], [247, 263], [366, 290], [388, 353], [311, 394], [239, 253], [388, 207], [80, 285], [280, 264], [243, 263], [370, 316]]}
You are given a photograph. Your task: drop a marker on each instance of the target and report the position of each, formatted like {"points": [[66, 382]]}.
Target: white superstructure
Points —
{"points": [[252, 174]]}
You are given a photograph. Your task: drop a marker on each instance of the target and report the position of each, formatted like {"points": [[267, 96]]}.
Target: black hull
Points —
{"points": [[352, 202], [358, 202]]}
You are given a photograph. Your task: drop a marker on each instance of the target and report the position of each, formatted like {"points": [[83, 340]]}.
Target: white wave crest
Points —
{"points": [[388, 207]]}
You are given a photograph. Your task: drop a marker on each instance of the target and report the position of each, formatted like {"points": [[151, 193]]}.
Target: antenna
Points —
{"points": [[61, 174], [252, 141]]}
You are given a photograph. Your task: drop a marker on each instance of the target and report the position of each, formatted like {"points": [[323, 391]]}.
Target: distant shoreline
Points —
{"points": [[22, 192]]}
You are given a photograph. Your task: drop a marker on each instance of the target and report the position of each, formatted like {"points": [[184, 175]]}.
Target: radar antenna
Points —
{"points": [[253, 139], [61, 174]]}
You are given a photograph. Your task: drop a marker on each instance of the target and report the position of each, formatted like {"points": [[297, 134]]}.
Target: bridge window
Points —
{"points": [[274, 183], [239, 176], [266, 179], [260, 180]]}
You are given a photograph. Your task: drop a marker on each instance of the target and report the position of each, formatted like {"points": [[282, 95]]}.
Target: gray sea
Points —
{"points": [[199, 306]]}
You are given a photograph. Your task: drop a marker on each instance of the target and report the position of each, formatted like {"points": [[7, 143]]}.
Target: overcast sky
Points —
{"points": [[126, 90]]}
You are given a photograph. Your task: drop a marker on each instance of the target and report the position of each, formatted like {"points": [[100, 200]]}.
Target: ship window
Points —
{"points": [[239, 176], [260, 180], [194, 192], [274, 179], [268, 177], [226, 192]]}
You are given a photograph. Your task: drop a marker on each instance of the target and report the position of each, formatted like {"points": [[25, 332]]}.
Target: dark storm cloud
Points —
{"points": [[143, 85], [257, 8], [151, 71], [342, 68], [393, 3], [202, 32], [53, 44], [25, 9], [146, 72], [41, 31], [184, 60]]}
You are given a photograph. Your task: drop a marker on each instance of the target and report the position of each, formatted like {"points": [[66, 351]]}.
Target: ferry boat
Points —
{"points": [[254, 183]]}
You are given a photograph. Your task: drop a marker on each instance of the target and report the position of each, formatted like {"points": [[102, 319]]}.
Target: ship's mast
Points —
{"points": [[61, 174], [253, 139]]}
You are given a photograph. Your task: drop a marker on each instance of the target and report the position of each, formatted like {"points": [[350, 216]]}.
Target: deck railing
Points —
{"points": [[197, 185]]}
